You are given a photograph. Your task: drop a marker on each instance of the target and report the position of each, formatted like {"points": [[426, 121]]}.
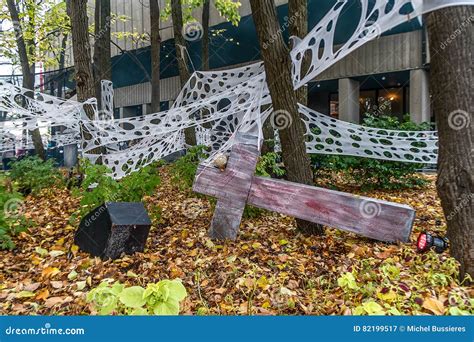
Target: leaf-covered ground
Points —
{"points": [[270, 269]]}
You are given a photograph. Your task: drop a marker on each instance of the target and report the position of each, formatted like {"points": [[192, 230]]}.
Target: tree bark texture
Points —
{"points": [[155, 40], [180, 45], [85, 87], [102, 53], [298, 24], [27, 69], [82, 52], [206, 11], [277, 62], [451, 37]]}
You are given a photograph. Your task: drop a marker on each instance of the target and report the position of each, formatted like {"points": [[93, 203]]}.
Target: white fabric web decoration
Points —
{"points": [[28, 110], [317, 49], [217, 104], [326, 135]]}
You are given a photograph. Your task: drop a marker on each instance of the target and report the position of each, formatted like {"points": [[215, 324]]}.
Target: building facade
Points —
{"points": [[388, 75]]}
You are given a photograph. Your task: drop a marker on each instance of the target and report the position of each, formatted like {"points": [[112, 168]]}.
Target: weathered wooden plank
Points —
{"points": [[373, 218], [233, 189]]}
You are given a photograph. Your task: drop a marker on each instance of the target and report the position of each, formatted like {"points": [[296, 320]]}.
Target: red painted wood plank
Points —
{"points": [[373, 218], [233, 187]]}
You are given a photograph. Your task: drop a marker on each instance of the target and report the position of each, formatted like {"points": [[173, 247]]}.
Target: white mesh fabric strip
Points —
{"points": [[220, 103], [27, 110], [326, 135], [317, 48], [217, 104], [107, 100]]}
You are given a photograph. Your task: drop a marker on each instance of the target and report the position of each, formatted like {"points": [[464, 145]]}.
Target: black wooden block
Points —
{"points": [[114, 228]]}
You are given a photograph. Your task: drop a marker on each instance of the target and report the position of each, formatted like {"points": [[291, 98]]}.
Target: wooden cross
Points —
{"points": [[237, 185]]}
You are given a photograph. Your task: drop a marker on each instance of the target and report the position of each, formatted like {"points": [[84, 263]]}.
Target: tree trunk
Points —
{"points": [[298, 18], [206, 11], [28, 71], [62, 58], [82, 52], [85, 88], [155, 41], [277, 62], [180, 45], [102, 53], [452, 84]]}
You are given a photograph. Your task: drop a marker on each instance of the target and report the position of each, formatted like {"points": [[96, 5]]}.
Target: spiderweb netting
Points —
{"points": [[376, 17], [217, 104], [26, 110]]}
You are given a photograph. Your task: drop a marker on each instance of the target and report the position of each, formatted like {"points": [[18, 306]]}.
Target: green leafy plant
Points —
{"points": [[33, 174], [369, 308], [184, 169], [162, 298], [12, 222], [348, 282], [99, 187], [371, 173], [270, 165]]}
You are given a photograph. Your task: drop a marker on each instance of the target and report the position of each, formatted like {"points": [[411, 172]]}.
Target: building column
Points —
{"points": [[349, 100], [420, 106]]}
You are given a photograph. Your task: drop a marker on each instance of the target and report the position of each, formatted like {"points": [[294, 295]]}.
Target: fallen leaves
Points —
{"points": [[434, 306], [49, 272], [270, 269]]}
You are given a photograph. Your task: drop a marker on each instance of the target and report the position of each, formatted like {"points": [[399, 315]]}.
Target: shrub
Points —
{"points": [[161, 298], [99, 187], [184, 169], [269, 165], [11, 220], [373, 173], [33, 174]]}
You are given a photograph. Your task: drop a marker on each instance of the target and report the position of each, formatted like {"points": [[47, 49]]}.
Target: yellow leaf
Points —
{"points": [[434, 305], [49, 272], [25, 294], [388, 297], [43, 295], [262, 282]]}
